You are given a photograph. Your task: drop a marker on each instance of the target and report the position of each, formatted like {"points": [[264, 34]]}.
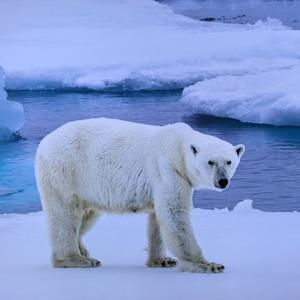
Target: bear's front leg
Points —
{"points": [[156, 251], [172, 208]]}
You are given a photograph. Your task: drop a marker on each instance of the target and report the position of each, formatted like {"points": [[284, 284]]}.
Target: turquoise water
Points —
{"points": [[269, 172]]}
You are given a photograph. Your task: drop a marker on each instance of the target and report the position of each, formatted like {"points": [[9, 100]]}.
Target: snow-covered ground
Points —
{"points": [[132, 45], [260, 251], [11, 113]]}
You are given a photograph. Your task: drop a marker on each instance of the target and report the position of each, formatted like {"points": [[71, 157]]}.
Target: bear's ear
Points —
{"points": [[240, 149], [194, 149]]}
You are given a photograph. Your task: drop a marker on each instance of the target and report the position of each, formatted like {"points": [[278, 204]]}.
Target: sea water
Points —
{"points": [[269, 172]]}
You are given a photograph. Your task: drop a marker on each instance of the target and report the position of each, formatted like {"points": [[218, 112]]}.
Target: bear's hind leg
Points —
{"points": [[64, 226], [88, 219], [156, 251]]}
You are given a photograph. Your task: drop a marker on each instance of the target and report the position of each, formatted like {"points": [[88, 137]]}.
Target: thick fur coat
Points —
{"points": [[89, 167]]}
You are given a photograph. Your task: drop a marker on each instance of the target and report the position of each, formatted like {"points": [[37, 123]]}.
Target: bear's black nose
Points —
{"points": [[223, 182]]}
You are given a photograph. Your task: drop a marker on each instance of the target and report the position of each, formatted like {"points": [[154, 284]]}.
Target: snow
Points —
{"points": [[259, 249], [144, 45], [270, 97], [11, 113], [130, 45]]}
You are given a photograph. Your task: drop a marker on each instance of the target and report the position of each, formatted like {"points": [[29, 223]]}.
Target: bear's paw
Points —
{"points": [[165, 262], [76, 261], [201, 267]]}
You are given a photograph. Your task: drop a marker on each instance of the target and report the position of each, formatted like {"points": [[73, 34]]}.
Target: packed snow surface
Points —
{"points": [[260, 251], [271, 97], [11, 113]]}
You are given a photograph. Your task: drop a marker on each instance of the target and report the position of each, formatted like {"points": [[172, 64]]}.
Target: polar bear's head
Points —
{"points": [[213, 162]]}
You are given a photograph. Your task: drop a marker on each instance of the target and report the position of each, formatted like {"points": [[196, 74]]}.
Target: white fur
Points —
{"points": [[100, 165]]}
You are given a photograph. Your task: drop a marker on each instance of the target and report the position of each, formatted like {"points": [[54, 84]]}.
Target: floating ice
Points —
{"points": [[11, 113], [144, 45], [270, 98], [130, 45]]}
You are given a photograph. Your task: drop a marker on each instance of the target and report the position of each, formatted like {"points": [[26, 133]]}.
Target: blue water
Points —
{"points": [[268, 174]]}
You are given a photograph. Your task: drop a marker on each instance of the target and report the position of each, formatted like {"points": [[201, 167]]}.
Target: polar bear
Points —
{"points": [[88, 167]]}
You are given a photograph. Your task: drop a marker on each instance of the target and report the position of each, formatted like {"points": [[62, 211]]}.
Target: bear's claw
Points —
{"points": [[165, 262]]}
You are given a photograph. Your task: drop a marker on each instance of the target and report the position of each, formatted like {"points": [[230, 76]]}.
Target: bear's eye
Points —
{"points": [[210, 162], [228, 162]]}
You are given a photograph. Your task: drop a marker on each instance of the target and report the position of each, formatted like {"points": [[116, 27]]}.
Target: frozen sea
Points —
{"points": [[268, 174], [266, 52]]}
